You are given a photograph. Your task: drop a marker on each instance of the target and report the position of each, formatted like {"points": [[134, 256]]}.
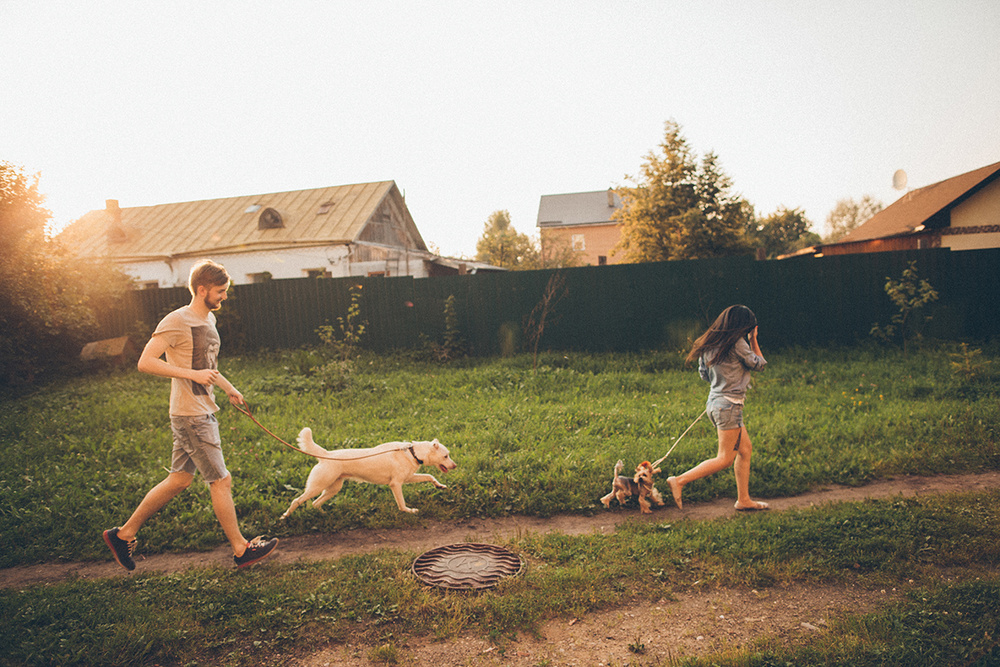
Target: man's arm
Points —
{"points": [[235, 397], [150, 362]]}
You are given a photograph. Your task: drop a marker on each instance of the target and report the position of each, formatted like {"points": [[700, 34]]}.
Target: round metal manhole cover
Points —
{"points": [[466, 566]]}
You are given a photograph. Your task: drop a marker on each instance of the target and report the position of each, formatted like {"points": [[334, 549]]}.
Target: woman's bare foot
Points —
{"points": [[754, 506], [675, 489]]}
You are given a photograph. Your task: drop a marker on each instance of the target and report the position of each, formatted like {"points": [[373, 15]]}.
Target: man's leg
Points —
{"points": [[225, 512], [158, 496]]}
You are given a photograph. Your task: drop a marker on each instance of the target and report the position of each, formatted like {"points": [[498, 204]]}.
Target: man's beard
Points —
{"points": [[211, 306]]}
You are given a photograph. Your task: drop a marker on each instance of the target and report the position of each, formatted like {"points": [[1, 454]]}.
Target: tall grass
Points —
{"points": [[80, 454]]}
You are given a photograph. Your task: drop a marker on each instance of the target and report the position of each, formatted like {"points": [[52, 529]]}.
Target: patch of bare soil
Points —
{"points": [[692, 623]]}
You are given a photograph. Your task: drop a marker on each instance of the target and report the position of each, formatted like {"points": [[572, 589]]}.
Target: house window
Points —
{"points": [[318, 273], [261, 277], [151, 284], [378, 274], [579, 244], [602, 260], [270, 219]]}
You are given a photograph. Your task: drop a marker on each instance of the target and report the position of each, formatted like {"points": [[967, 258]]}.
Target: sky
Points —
{"points": [[473, 107]]}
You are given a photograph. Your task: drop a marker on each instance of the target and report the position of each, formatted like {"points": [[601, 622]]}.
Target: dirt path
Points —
{"points": [[692, 623], [431, 534]]}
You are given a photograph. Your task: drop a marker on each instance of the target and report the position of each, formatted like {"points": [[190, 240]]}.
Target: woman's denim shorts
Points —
{"points": [[725, 414]]}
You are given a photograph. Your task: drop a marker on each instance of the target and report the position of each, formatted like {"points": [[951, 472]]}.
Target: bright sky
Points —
{"points": [[471, 107]]}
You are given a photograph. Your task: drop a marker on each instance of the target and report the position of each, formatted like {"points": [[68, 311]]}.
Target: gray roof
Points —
{"points": [[580, 208]]}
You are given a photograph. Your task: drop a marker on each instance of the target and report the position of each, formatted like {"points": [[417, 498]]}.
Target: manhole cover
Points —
{"points": [[466, 566]]}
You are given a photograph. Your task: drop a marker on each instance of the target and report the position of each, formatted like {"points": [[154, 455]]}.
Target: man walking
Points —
{"points": [[189, 339]]}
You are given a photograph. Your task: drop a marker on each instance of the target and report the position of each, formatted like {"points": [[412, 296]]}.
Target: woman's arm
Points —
{"points": [[754, 345]]}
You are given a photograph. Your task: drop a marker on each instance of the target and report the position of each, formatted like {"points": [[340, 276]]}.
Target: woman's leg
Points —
{"points": [[742, 470], [727, 453]]}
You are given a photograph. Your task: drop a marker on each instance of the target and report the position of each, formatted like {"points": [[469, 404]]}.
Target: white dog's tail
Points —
{"points": [[306, 443]]}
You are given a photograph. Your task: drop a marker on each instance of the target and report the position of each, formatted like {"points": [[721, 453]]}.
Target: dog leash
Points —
{"points": [[249, 413], [660, 460]]}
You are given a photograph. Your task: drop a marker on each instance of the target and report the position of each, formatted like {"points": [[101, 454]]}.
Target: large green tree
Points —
{"points": [[502, 245], [680, 207], [847, 214], [49, 299], [784, 231]]}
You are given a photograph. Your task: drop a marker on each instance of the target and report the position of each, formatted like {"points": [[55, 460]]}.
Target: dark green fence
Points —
{"points": [[612, 308]]}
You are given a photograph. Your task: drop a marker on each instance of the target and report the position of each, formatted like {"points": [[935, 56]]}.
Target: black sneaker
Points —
{"points": [[256, 550], [121, 549]]}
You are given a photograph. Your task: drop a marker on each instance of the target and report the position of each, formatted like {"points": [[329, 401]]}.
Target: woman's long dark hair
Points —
{"points": [[732, 324]]}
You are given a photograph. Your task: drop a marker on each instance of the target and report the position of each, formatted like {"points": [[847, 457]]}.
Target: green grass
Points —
{"points": [[219, 616], [80, 454]]}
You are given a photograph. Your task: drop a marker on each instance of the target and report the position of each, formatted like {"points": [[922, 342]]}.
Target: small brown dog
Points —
{"points": [[640, 484]]}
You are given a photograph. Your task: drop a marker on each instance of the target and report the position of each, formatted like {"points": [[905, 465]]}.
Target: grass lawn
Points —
{"points": [[80, 454]]}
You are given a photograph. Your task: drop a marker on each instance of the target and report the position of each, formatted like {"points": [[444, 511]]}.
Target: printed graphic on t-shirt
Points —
{"points": [[204, 354]]}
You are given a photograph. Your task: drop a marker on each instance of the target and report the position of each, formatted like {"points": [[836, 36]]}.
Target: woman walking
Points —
{"points": [[727, 353]]}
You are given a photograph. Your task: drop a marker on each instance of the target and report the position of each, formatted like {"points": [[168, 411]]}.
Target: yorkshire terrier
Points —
{"points": [[640, 484]]}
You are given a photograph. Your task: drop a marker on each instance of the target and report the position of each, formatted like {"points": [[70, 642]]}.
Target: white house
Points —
{"points": [[363, 229]]}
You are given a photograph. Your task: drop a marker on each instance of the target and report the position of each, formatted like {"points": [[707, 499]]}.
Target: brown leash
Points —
{"points": [[400, 448], [660, 460]]}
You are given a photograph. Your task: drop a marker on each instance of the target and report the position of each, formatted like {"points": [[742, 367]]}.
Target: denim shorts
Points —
{"points": [[725, 414], [197, 446]]}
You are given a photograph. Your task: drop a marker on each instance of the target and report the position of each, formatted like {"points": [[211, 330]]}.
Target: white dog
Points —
{"points": [[391, 463]]}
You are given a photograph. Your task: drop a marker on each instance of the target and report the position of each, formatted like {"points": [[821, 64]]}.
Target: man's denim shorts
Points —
{"points": [[725, 414], [197, 446]]}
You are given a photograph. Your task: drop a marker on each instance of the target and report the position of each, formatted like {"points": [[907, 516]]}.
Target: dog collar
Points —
{"points": [[414, 455]]}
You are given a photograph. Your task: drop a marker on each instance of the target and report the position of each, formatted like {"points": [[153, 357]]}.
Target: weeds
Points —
{"points": [[451, 346], [968, 364], [345, 339], [909, 294], [543, 314]]}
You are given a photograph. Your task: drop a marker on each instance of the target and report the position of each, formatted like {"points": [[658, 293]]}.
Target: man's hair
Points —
{"points": [[207, 273]]}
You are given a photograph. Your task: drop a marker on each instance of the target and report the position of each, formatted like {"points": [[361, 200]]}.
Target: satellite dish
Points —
{"points": [[899, 180]]}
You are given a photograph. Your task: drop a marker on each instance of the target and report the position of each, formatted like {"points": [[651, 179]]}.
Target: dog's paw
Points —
{"points": [[411, 510], [440, 485]]}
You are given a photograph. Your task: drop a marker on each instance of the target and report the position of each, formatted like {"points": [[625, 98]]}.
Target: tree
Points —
{"points": [[784, 231], [556, 252], [680, 208], [49, 299], [502, 245], [848, 214]]}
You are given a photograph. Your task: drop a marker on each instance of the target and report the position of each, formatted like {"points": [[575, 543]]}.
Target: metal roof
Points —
{"points": [[580, 208], [922, 206], [321, 216]]}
